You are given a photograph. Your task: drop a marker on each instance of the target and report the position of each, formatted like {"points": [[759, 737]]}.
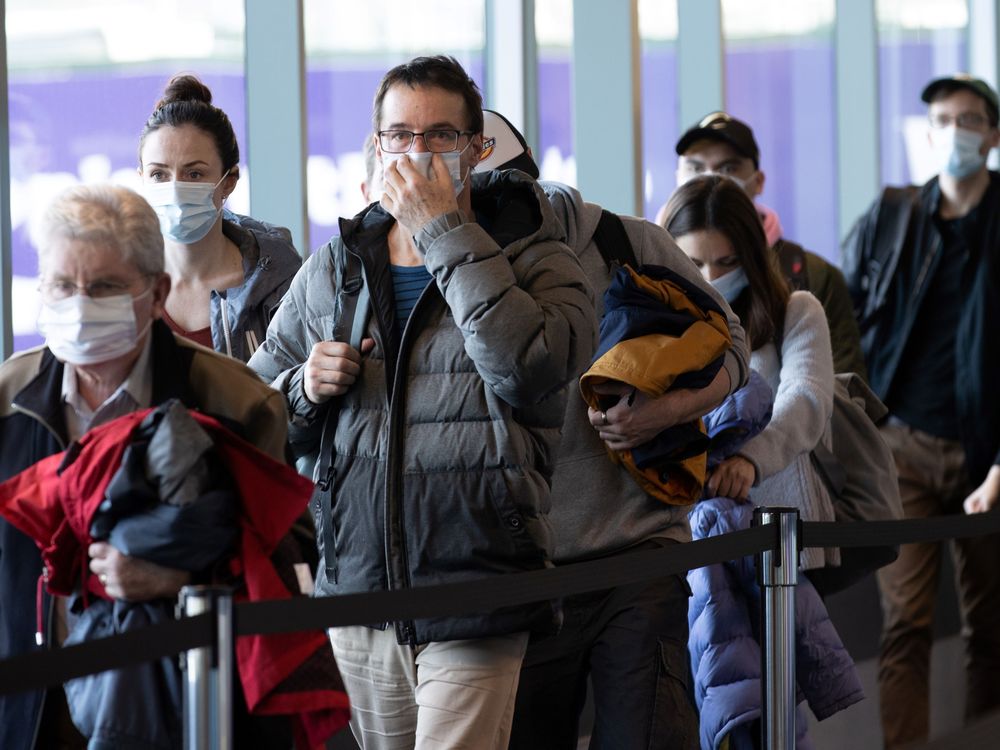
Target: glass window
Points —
{"points": [[554, 38], [658, 35], [349, 47], [919, 40], [83, 79], [779, 62]]}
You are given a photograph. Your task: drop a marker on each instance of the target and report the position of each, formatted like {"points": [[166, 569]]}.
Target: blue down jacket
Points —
{"points": [[744, 413], [724, 612]]}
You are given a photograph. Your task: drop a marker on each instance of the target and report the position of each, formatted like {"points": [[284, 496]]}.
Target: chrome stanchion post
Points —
{"points": [[208, 672], [778, 573]]}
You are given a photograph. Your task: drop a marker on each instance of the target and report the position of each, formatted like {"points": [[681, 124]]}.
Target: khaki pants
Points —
{"points": [[933, 482], [452, 694]]}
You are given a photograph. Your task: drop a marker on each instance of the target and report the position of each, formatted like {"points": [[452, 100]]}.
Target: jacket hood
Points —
{"points": [[772, 224], [269, 258], [578, 218]]}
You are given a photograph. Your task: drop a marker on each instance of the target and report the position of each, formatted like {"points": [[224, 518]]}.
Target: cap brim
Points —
{"points": [[932, 88], [707, 134]]}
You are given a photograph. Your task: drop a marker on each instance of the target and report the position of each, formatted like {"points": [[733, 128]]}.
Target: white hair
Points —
{"points": [[109, 215]]}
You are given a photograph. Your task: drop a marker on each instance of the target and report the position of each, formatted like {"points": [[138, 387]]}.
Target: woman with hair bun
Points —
{"points": [[228, 272]]}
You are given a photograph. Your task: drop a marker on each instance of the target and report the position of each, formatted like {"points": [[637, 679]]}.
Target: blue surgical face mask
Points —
{"points": [[956, 151], [186, 209], [730, 285], [86, 331], [422, 161]]}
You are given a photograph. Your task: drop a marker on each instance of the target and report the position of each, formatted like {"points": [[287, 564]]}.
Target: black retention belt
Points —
{"points": [[40, 669], [44, 668]]}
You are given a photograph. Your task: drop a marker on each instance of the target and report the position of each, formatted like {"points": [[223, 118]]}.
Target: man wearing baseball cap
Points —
{"points": [[721, 144], [923, 267]]}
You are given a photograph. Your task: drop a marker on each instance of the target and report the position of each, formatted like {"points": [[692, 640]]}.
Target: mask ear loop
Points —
{"points": [[221, 179], [468, 172]]}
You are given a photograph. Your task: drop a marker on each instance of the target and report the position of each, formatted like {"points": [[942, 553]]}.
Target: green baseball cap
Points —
{"points": [[965, 81]]}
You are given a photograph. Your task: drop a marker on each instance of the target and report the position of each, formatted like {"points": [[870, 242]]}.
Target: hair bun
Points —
{"points": [[185, 88]]}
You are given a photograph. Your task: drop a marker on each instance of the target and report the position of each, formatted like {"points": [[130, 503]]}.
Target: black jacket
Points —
{"points": [[32, 426], [888, 259]]}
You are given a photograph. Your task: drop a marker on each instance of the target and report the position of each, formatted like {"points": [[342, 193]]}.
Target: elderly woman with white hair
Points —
{"points": [[107, 353]]}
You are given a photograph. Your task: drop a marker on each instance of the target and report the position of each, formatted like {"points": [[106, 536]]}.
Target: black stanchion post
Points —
{"points": [[208, 672], [778, 573]]}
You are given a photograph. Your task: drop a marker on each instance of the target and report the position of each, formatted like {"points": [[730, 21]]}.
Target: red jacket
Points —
{"points": [[55, 508]]}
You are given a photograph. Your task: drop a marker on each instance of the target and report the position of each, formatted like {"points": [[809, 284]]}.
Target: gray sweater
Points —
{"points": [[597, 508], [802, 382]]}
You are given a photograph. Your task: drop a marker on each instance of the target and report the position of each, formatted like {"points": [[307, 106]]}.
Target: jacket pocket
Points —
{"points": [[513, 520], [674, 716]]}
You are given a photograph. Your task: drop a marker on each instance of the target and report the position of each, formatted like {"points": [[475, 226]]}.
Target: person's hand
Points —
{"points": [[635, 419], [733, 478], [986, 495], [411, 198], [132, 579], [332, 368]]}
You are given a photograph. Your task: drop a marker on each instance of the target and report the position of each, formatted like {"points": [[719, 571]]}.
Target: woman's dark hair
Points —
{"points": [[188, 101], [440, 71], [713, 202]]}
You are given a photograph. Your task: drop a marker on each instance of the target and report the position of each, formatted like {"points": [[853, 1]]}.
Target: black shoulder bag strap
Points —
{"points": [[613, 242], [356, 305], [891, 229], [792, 258]]}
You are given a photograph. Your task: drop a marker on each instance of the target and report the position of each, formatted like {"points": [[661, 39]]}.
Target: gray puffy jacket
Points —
{"points": [[444, 446]]}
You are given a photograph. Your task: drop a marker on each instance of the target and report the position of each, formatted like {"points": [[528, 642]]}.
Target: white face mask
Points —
{"points": [[186, 209], [422, 161], [956, 151], [731, 284], [86, 331]]}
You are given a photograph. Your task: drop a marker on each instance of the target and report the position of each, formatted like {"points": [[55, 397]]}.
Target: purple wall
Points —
{"points": [[786, 96]]}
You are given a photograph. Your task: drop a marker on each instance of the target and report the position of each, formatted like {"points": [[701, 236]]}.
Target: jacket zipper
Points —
{"points": [[226, 332], [252, 344], [406, 631], [49, 618], [46, 616]]}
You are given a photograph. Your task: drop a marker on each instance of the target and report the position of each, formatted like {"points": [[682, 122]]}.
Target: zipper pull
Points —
{"points": [[40, 607]]}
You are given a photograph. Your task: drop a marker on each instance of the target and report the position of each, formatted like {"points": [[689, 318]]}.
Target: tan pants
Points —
{"points": [[452, 694], [933, 482]]}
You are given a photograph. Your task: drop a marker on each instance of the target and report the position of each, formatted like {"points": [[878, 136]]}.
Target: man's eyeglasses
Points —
{"points": [[966, 121], [436, 141], [64, 289]]}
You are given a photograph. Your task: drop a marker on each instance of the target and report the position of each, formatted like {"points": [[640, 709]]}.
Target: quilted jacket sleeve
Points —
{"points": [[527, 317]]}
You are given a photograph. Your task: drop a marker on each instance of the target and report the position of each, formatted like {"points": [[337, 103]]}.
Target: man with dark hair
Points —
{"points": [[446, 420], [923, 267], [631, 641], [721, 144]]}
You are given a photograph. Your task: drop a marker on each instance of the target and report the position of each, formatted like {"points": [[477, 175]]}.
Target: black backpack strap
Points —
{"points": [[354, 317], [792, 258], [613, 242], [895, 215]]}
